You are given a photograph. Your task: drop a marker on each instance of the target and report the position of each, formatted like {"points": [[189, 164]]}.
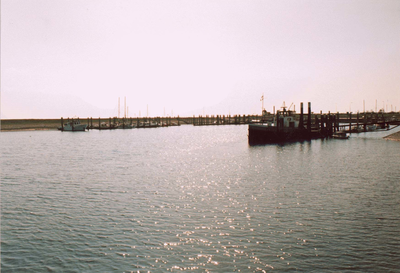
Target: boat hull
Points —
{"points": [[340, 137], [264, 134]]}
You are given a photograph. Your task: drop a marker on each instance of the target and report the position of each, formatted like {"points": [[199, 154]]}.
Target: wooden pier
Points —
{"points": [[349, 122], [225, 120], [324, 123], [287, 126], [153, 122]]}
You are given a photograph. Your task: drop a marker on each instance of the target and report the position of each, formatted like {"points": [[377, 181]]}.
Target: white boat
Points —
{"points": [[356, 129], [149, 124], [106, 126], [73, 125], [340, 135], [126, 126]]}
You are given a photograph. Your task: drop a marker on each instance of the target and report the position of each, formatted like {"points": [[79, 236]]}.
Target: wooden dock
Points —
{"points": [[350, 122], [153, 122], [327, 123]]}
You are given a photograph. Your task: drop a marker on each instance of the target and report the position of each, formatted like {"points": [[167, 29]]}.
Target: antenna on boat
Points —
{"points": [[262, 104], [284, 106]]}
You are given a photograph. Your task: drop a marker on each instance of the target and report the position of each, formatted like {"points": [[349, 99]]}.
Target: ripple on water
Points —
{"points": [[192, 199]]}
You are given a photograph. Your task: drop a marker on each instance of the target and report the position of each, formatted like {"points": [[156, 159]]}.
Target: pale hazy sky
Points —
{"points": [[185, 56]]}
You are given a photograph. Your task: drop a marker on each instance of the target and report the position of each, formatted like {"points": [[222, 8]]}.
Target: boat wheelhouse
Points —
{"points": [[73, 125]]}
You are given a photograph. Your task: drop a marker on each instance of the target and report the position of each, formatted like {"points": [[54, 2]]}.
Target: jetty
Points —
{"points": [[113, 123], [320, 124]]}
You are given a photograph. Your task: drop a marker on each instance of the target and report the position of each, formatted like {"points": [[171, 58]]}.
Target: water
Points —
{"points": [[197, 199]]}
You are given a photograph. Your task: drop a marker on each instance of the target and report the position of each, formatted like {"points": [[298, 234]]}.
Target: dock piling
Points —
{"points": [[309, 118]]}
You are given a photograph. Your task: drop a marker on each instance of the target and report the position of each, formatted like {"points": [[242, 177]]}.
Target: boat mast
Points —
{"points": [[118, 107], [124, 107]]}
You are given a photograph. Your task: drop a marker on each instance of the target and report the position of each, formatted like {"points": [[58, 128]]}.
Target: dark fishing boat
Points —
{"points": [[284, 128]]}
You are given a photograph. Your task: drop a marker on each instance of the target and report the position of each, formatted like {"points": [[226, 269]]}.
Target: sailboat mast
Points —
{"points": [[118, 108], [124, 107]]}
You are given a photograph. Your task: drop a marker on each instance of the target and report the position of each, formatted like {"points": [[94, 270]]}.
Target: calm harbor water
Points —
{"points": [[197, 199]]}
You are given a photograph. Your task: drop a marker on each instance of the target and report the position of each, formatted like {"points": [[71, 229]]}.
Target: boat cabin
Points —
{"points": [[286, 119]]}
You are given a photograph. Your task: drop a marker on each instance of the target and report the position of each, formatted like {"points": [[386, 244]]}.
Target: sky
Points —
{"points": [[183, 57]]}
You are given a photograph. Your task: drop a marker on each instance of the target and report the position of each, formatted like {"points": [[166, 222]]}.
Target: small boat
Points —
{"points": [[340, 135], [355, 129], [149, 124], [73, 125], [371, 128], [125, 126], [106, 126]]}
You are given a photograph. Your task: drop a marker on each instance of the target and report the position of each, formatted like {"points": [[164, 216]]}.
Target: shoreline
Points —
{"points": [[13, 125], [27, 129], [8, 125]]}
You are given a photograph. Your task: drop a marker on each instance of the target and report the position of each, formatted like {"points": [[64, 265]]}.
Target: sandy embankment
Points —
{"points": [[394, 136], [29, 124]]}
